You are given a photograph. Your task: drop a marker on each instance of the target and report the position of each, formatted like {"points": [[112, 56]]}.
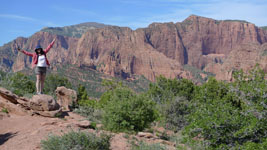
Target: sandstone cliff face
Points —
{"points": [[159, 49], [8, 53], [204, 36], [123, 52], [166, 39], [163, 48], [245, 57], [59, 54]]}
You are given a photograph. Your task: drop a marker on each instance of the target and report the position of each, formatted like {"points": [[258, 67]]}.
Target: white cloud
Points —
{"points": [[17, 17], [251, 11], [27, 19]]}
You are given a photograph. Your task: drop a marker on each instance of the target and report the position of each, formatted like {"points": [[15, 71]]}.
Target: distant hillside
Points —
{"points": [[264, 28], [74, 30], [92, 79], [242, 21]]}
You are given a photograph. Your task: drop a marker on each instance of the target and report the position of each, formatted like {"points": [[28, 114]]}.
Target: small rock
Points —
{"points": [[99, 126], [83, 124], [49, 123], [35, 132], [146, 135], [49, 129], [167, 143], [159, 129]]}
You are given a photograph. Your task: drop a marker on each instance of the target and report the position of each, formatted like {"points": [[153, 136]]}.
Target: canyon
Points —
{"points": [[215, 46]]}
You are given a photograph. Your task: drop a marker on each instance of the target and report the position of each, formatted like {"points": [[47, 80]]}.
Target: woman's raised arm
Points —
{"points": [[50, 46], [25, 52]]}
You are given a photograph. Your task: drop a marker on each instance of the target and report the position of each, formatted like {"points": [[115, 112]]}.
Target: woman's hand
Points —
{"points": [[54, 40]]}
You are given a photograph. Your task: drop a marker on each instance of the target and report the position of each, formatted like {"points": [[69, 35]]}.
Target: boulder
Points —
{"points": [[8, 95], [43, 103], [66, 97], [10, 101], [12, 108]]}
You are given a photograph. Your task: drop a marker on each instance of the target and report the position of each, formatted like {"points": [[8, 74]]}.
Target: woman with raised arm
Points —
{"points": [[40, 62]]}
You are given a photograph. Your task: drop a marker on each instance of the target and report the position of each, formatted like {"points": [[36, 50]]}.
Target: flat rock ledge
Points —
{"points": [[43, 105]]}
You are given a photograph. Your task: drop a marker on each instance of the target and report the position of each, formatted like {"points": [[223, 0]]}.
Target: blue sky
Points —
{"points": [[25, 17]]}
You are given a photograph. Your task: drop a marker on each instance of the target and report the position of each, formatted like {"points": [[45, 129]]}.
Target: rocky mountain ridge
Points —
{"points": [[74, 30], [159, 49]]}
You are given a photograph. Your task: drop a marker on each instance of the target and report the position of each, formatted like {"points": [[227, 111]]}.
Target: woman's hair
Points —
{"points": [[41, 51]]}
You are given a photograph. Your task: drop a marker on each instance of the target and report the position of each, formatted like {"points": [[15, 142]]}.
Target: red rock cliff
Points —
{"points": [[159, 49]]}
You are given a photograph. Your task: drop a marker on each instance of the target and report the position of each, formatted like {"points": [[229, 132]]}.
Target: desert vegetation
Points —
{"points": [[214, 115], [76, 140], [24, 85]]}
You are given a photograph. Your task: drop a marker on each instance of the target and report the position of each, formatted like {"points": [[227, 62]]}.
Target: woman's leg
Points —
{"points": [[38, 83], [42, 83]]}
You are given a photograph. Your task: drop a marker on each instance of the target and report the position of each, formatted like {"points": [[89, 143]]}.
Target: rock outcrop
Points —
{"points": [[203, 36], [244, 57], [163, 48], [59, 54], [43, 105], [159, 49], [66, 97]]}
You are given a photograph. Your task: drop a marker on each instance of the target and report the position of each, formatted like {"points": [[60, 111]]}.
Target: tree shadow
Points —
{"points": [[6, 136]]}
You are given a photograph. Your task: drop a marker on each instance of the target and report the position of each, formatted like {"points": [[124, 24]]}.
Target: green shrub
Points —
{"points": [[4, 110], [76, 141], [86, 107], [93, 125], [2, 76], [250, 87], [110, 86], [91, 113], [82, 94], [18, 83], [173, 97], [126, 111], [88, 103], [164, 90], [21, 84], [186, 143], [229, 115], [255, 146], [145, 146], [264, 28], [197, 74], [175, 113], [53, 81]]}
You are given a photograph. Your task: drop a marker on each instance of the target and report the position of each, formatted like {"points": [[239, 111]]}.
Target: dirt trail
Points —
{"points": [[26, 132]]}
